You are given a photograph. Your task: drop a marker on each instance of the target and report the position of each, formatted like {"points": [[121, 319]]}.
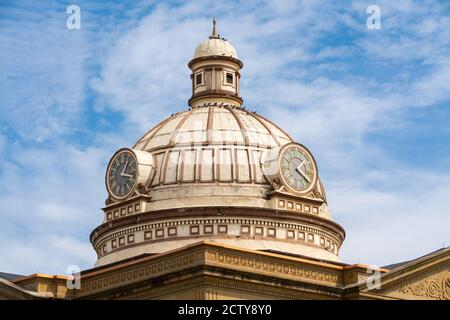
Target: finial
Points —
{"points": [[214, 32]]}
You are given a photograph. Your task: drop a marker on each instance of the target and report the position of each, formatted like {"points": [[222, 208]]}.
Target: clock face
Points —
{"points": [[121, 174], [297, 168]]}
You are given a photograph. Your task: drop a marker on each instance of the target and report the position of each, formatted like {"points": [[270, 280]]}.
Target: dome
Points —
{"points": [[215, 47], [207, 173], [216, 148], [211, 156]]}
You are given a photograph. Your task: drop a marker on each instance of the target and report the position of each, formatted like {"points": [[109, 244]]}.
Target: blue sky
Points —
{"points": [[372, 105]]}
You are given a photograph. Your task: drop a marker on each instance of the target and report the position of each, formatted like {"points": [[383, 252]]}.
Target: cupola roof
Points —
{"points": [[215, 46]]}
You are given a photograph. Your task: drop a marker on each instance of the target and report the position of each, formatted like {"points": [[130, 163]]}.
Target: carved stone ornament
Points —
{"points": [[446, 288], [108, 201], [430, 288], [316, 194], [142, 189], [276, 183]]}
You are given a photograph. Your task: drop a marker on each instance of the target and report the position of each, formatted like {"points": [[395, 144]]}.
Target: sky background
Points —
{"points": [[373, 106]]}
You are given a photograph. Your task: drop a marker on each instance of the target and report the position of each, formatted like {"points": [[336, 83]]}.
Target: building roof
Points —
{"points": [[214, 123], [10, 276], [215, 46], [403, 263], [12, 291]]}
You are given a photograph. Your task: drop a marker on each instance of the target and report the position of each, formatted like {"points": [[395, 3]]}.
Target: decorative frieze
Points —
{"points": [[258, 264], [241, 228], [132, 206], [431, 288]]}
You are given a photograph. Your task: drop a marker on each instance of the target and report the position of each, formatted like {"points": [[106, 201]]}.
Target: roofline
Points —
{"points": [[418, 263], [39, 275], [14, 286]]}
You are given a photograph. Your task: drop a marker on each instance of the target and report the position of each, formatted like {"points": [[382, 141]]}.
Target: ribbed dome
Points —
{"points": [[206, 173], [215, 47], [220, 124], [211, 156]]}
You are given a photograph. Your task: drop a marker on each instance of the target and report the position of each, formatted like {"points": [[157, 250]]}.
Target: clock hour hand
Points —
{"points": [[126, 175], [301, 172]]}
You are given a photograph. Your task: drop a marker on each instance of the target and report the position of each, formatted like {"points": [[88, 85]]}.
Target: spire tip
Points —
{"points": [[214, 32]]}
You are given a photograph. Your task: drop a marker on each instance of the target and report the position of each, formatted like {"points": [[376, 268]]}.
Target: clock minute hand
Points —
{"points": [[124, 168], [301, 172]]}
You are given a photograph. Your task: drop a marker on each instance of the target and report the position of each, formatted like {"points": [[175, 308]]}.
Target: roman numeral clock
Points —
{"points": [[297, 168], [292, 169], [127, 170]]}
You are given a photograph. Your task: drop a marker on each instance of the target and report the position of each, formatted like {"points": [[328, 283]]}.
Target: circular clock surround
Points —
{"points": [[126, 170], [297, 168]]}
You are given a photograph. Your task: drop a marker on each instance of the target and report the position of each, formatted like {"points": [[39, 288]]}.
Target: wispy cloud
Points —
{"points": [[392, 214], [43, 75], [47, 194]]}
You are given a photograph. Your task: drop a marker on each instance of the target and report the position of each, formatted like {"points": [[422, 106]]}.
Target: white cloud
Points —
{"points": [[48, 254], [51, 200], [145, 72], [141, 77], [42, 72], [397, 217]]}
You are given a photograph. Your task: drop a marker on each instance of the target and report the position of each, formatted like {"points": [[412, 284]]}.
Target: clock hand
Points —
{"points": [[300, 165], [302, 173], [305, 176], [124, 168], [126, 175]]}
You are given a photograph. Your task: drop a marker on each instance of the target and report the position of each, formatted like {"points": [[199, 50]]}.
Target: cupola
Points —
{"points": [[215, 72]]}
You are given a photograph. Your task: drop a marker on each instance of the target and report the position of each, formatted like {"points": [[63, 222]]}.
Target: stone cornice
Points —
{"points": [[207, 255], [279, 216], [216, 93], [206, 58]]}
